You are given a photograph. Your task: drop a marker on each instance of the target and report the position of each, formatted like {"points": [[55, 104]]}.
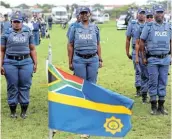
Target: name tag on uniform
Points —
{"points": [[85, 36], [20, 39], [158, 33]]}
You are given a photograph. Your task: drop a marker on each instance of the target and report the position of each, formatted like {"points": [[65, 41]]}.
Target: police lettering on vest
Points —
{"points": [[85, 36], [19, 39], [158, 33]]}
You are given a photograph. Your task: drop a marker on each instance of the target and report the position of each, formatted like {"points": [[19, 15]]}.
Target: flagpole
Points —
{"points": [[49, 61]]}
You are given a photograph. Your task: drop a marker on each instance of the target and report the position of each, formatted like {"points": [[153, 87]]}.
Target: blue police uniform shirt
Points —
{"points": [[5, 26], [36, 25], [17, 43], [85, 39], [69, 29], [158, 41], [132, 31]]}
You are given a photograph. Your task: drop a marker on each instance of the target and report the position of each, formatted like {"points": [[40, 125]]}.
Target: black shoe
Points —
{"points": [[154, 107], [138, 93], [23, 111], [144, 97], [161, 109], [13, 111]]}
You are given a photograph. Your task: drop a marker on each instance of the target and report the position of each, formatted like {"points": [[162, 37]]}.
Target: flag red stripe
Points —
{"points": [[70, 77]]}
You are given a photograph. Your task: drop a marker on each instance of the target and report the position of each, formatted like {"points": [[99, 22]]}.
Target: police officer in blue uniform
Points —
{"points": [[131, 33], [143, 67], [149, 15], [36, 29], [6, 24], [84, 50], [18, 62], [73, 24], [157, 34], [50, 22]]}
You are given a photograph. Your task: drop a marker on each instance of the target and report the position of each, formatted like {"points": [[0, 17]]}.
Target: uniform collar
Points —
{"points": [[140, 23], [158, 23], [89, 24]]}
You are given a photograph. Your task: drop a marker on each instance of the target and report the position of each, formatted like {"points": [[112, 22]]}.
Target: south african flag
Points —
{"points": [[77, 106]]}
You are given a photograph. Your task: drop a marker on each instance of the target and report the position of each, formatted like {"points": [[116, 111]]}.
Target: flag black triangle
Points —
{"points": [[51, 77]]}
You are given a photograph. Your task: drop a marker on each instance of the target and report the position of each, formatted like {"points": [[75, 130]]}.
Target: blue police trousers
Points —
{"points": [[86, 68], [36, 37], [49, 25], [43, 29], [18, 75], [144, 78], [158, 76]]}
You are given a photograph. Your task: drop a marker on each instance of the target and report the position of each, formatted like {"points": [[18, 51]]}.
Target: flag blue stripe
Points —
{"points": [[98, 94], [83, 121]]}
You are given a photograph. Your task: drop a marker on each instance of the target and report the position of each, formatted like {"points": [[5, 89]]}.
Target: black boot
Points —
{"points": [[144, 97], [138, 93], [154, 107], [161, 109], [23, 110], [13, 111]]}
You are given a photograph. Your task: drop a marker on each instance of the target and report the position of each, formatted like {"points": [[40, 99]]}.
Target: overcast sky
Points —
{"points": [[65, 2]]}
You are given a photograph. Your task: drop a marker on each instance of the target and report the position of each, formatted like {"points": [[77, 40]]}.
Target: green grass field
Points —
{"points": [[117, 75]]}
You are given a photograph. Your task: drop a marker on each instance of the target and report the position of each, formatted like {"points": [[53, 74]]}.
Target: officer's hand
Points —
{"points": [[71, 66], [2, 71], [144, 61], [100, 64], [137, 60], [34, 68], [129, 56]]}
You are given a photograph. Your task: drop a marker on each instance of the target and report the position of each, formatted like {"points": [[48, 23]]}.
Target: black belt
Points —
{"points": [[18, 57], [35, 30], [86, 56], [157, 56]]}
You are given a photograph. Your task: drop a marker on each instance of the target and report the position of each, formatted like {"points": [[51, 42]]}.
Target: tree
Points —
{"points": [[23, 6], [98, 7], [5, 4]]}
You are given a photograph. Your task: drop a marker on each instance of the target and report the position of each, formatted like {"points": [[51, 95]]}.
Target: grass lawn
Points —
{"points": [[117, 75]]}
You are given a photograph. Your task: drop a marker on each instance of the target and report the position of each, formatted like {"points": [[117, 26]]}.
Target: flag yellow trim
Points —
{"points": [[56, 81], [87, 104]]}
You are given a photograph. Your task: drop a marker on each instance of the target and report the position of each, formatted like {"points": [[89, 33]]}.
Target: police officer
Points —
{"points": [[43, 27], [18, 62], [131, 33], [158, 37], [28, 24], [149, 15], [36, 28], [84, 50], [73, 24], [50, 21], [143, 67], [6, 24]]}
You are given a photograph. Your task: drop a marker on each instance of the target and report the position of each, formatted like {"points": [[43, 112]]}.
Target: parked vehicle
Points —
{"points": [[59, 15], [121, 22]]}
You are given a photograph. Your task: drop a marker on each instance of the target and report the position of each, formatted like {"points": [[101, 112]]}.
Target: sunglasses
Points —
{"points": [[149, 16], [16, 22], [159, 12]]}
